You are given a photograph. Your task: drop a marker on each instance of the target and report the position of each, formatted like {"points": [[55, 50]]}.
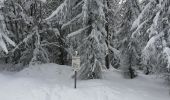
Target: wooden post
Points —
{"points": [[75, 80], [76, 65]]}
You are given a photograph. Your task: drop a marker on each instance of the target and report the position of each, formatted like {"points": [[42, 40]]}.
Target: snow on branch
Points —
{"points": [[43, 1], [77, 32], [150, 48], [71, 21], [8, 40], [80, 3], [58, 10], [4, 31], [167, 52], [136, 23], [138, 28], [24, 41], [152, 41], [115, 51], [3, 45]]}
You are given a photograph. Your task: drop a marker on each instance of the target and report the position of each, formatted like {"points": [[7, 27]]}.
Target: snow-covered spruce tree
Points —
{"points": [[34, 37], [3, 31], [153, 23], [94, 45], [116, 16], [142, 23], [83, 21], [21, 21], [127, 46]]}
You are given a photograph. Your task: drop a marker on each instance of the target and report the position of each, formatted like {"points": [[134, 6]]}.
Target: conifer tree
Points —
{"points": [[3, 31], [127, 46], [85, 22], [153, 24]]}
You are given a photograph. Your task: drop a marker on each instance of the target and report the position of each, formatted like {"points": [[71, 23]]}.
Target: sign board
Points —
{"points": [[76, 63]]}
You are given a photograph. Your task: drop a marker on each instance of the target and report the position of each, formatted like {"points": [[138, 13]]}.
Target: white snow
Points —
{"points": [[138, 29], [140, 1], [117, 52], [71, 21], [150, 48], [3, 45], [58, 10], [167, 52], [43, 0], [54, 82], [77, 32], [1, 0], [80, 3], [137, 22], [122, 1], [4, 31]]}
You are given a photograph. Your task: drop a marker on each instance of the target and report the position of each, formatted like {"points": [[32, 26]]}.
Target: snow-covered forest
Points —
{"points": [[123, 45]]}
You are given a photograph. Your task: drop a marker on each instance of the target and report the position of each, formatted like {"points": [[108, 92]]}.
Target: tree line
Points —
{"points": [[124, 34]]}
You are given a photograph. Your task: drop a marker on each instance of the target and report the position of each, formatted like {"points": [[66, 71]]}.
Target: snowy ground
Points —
{"points": [[53, 82]]}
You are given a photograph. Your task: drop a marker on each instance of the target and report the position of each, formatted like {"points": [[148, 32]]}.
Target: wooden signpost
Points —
{"points": [[76, 67]]}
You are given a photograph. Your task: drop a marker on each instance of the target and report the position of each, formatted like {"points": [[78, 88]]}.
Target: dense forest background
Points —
{"points": [[128, 35]]}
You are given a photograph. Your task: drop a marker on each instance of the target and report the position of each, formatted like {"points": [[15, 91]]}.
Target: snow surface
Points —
{"points": [[54, 82]]}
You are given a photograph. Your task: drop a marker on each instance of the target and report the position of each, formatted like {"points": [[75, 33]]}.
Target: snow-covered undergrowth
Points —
{"points": [[54, 82]]}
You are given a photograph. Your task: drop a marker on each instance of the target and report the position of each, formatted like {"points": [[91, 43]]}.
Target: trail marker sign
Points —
{"points": [[76, 63], [76, 67]]}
